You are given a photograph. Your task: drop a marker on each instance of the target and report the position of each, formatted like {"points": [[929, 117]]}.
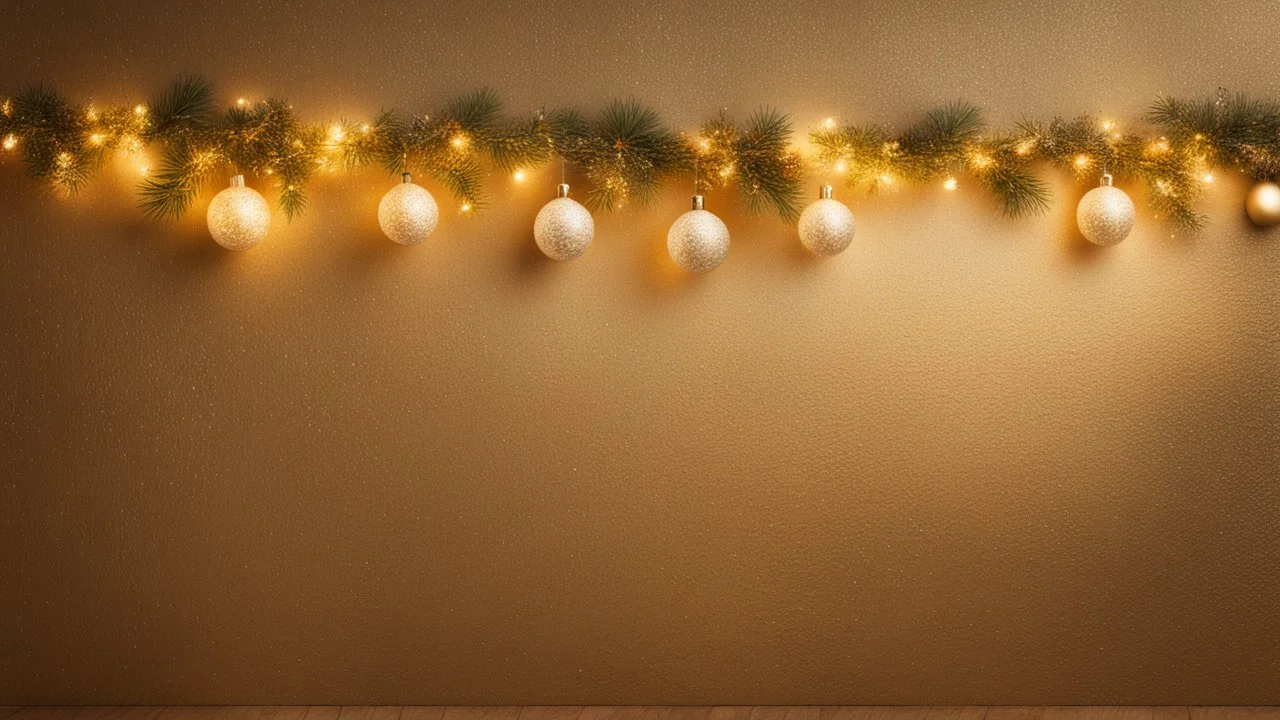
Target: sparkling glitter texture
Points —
{"points": [[698, 241], [1263, 204], [407, 213], [826, 227], [238, 217], [1105, 215], [563, 229]]}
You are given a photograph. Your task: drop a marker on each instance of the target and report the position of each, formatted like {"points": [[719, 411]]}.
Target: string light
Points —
{"points": [[97, 138], [829, 123], [841, 166], [1207, 178], [465, 207], [241, 102], [337, 134], [459, 141], [518, 176], [10, 141], [950, 184], [1082, 161], [140, 110]]}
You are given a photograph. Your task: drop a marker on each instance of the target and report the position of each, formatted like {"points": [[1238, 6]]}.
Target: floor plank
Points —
{"points": [[1085, 712], [482, 712], [1234, 713], [122, 712], [543, 712], [956, 712], [282, 712], [1170, 712], [369, 712], [875, 712], [1015, 712], [323, 712], [421, 712], [45, 712], [626, 712], [686, 712]]}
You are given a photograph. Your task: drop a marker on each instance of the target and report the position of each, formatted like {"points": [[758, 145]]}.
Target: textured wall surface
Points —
{"points": [[969, 461]]}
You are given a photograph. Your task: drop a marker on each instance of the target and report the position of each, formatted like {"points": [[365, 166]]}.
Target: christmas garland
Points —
{"points": [[626, 152]]}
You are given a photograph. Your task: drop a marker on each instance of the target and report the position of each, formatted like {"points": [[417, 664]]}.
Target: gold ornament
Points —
{"points": [[1105, 214], [238, 217], [1263, 204], [698, 240], [407, 213], [563, 228], [826, 226]]}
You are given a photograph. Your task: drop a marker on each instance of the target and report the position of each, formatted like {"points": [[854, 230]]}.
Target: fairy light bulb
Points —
{"points": [[10, 141], [564, 228], [826, 227], [950, 184], [698, 241], [238, 217], [408, 214]]}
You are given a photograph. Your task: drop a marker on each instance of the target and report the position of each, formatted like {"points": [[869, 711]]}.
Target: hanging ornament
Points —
{"points": [[698, 240], [1105, 214], [407, 213], [826, 226], [563, 228], [1263, 204], [238, 216]]}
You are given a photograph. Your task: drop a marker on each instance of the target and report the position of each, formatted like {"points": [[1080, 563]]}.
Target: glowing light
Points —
{"points": [[1199, 136], [10, 141], [704, 144], [7, 107], [1207, 178], [97, 138], [949, 184], [269, 171], [465, 207], [829, 123], [726, 171], [131, 143], [1159, 146], [91, 114], [459, 141], [886, 179], [139, 109], [337, 134], [64, 160], [981, 161], [841, 166], [365, 128], [1082, 161], [241, 102], [1025, 147], [1163, 186], [143, 170], [1108, 125], [518, 176]]}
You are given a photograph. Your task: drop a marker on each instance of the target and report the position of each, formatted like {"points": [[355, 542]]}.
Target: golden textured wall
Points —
{"points": [[969, 461]]}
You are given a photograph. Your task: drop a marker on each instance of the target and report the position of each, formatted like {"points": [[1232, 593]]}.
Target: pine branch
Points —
{"points": [[186, 105], [756, 158], [626, 154]]}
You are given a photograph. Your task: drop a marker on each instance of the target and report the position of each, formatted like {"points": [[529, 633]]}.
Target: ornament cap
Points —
{"points": [[406, 178], [1106, 180], [562, 190], [237, 181], [824, 192], [698, 203]]}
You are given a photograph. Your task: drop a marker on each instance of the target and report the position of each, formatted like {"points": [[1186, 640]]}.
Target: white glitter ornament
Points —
{"points": [[1105, 214], [826, 226], [238, 217], [407, 213], [563, 228], [1263, 204], [698, 240]]}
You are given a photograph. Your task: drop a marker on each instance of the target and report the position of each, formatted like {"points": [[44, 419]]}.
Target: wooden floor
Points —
{"points": [[650, 712]]}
